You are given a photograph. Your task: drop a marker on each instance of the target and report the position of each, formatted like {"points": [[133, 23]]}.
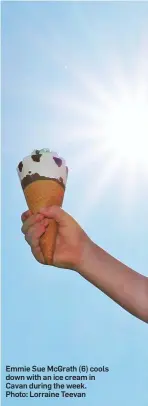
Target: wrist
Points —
{"points": [[87, 254]]}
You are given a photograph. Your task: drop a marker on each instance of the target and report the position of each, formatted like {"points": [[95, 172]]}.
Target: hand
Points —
{"points": [[71, 240], [34, 226]]}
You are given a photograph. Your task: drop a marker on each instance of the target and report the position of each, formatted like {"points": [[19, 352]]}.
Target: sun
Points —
{"points": [[126, 129], [105, 132]]}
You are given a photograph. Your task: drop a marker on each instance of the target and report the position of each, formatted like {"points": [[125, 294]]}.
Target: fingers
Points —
{"points": [[38, 255], [34, 226], [26, 215], [30, 221], [34, 233], [54, 212]]}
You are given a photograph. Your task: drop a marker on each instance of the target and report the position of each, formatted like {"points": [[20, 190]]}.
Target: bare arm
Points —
{"points": [[74, 250], [123, 285]]}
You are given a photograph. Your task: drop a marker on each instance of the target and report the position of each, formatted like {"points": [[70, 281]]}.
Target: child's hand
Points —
{"points": [[70, 240], [33, 228]]}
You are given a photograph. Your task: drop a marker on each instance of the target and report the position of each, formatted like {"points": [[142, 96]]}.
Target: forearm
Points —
{"points": [[125, 286]]}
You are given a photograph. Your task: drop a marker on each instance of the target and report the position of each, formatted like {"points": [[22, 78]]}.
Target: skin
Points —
{"points": [[75, 250]]}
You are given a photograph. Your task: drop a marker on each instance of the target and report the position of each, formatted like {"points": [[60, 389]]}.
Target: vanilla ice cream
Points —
{"points": [[42, 164]]}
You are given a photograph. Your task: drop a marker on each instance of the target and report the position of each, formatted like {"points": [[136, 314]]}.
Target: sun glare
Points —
{"points": [[105, 130], [126, 130]]}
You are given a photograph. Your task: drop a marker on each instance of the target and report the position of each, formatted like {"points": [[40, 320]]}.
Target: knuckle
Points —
{"points": [[22, 229], [34, 244], [27, 239], [23, 215]]}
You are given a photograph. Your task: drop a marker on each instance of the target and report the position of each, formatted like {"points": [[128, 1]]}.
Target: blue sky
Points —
{"points": [[61, 64]]}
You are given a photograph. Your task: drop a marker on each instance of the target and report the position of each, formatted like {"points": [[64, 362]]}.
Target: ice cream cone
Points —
{"points": [[43, 187], [45, 193]]}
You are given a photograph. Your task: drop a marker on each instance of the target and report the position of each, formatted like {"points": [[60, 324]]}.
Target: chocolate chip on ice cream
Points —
{"points": [[20, 166], [36, 158], [58, 161]]}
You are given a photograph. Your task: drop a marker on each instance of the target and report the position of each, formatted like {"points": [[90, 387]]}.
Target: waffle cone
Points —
{"points": [[45, 193]]}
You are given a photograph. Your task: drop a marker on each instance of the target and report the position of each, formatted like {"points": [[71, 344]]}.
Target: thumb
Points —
{"points": [[54, 212]]}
